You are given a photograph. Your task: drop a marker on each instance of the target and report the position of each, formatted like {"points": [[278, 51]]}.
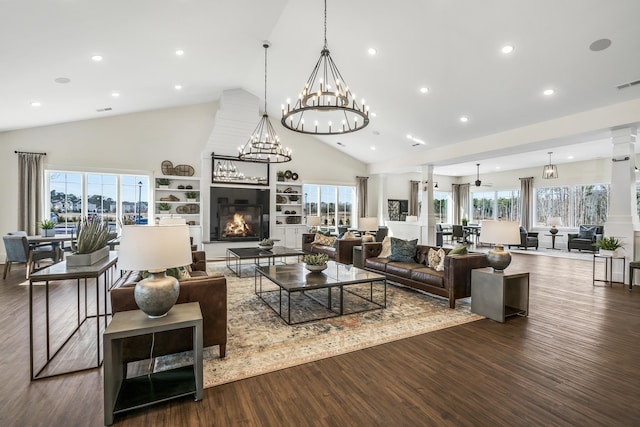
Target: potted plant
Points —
{"points": [[191, 196], [164, 207], [163, 183], [266, 244], [90, 244], [315, 262], [280, 175], [464, 221], [47, 227], [608, 246]]}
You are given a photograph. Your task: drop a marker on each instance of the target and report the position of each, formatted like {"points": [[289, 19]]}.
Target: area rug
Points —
{"points": [[260, 342]]}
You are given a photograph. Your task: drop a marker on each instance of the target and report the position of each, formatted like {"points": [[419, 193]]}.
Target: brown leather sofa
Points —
{"points": [[209, 291], [453, 282], [341, 252]]}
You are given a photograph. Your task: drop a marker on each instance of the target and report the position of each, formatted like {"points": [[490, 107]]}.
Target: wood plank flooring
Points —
{"points": [[573, 361]]}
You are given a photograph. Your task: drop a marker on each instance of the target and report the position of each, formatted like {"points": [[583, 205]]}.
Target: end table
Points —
{"points": [[499, 295]]}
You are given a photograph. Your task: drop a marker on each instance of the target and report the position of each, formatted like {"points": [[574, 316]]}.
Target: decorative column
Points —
{"points": [[622, 216], [383, 209], [427, 215]]}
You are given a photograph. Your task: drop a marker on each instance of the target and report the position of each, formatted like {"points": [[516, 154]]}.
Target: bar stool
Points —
{"points": [[632, 266]]}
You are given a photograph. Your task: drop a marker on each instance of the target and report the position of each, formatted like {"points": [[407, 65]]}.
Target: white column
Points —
{"points": [[427, 215], [383, 208], [622, 217]]}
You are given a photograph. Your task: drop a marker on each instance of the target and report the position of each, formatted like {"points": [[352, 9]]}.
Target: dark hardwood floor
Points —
{"points": [[572, 362]]}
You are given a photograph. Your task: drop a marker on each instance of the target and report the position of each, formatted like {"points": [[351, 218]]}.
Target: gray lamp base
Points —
{"points": [[156, 294], [498, 258]]}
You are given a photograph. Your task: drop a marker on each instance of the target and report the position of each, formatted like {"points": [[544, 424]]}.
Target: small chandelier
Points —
{"points": [[325, 101], [225, 170], [264, 144], [550, 171]]}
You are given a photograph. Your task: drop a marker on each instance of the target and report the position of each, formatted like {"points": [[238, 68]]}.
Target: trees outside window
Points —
{"points": [[508, 205], [591, 203], [580, 204], [483, 205], [333, 204], [441, 206]]}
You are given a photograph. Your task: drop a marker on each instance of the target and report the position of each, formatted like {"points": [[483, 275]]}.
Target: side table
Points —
{"points": [[123, 394], [499, 295], [357, 257], [553, 240], [608, 268]]}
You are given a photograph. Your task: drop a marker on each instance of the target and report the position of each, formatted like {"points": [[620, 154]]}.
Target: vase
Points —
{"points": [[265, 247], [606, 252], [48, 232], [80, 260], [315, 268]]}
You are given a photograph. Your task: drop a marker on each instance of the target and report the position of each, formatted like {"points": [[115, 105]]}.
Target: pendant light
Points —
{"points": [[264, 144], [550, 171], [326, 102]]}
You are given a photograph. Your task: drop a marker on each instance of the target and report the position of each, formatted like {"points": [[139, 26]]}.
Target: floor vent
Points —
{"points": [[626, 85]]}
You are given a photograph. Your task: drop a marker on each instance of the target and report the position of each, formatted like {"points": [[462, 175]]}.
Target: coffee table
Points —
{"points": [[235, 256], [355, 292]]}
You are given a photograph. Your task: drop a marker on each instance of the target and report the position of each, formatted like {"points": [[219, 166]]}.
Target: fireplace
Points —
{"points": [[239, 214]]}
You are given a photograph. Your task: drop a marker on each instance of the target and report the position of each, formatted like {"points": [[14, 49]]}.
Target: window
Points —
{"points": [[441, 205], [73, 195], [581, 204], [334, 204], [508, 205], [483, 205], [591, 203]]}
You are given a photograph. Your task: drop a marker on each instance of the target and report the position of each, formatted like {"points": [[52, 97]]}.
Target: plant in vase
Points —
{"points": [[47, 227], [191, 196], [90, 243], [164, 207], [280, 175], [163, 183], [464, 221], [266, 244], [608, 246], [315, 262]]}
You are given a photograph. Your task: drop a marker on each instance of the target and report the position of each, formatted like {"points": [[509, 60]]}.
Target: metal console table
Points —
{"points": [[608, 268]]}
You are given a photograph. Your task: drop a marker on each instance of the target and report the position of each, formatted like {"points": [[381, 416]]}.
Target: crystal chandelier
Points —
{"points": [[326, 101], [264, 144], [549, 171]]}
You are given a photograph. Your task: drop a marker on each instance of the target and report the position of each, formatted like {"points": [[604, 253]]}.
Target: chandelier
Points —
{"points": [[326, 101], [549, 171], [264, 144]]}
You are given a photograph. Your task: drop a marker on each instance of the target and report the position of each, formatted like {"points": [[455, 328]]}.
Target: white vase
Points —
{"points": [[606, 252], [315, 268], [79, 260], [48, 233]]}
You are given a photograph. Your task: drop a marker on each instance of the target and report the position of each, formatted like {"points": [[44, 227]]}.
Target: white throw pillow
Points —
{"points": [[386, 248], [441, 255]]}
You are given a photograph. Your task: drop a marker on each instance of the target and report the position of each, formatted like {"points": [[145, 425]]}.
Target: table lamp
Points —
{"points": [[554, 221], [368, 224], [313, 222], [155, 248], [500, 233], [172, 220]]}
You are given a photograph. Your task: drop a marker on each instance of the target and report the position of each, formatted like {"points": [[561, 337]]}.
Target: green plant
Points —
{"points": [[280, 175], [191, 194], [47, 224], [266, 242], [91, 236], [608, 244], [315, 259], [164, 207], [162, 181]]}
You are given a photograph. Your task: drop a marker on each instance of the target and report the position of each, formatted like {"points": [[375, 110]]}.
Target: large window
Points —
{"points": [[508, 205], [441, 205], [581, 204], [491, 205], [483, 205], [591, 203], [334, 204], [109, 197]]}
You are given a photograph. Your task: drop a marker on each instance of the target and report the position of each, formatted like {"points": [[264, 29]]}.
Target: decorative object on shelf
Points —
{"points": [[289, 190], [326, 101], [293, 220], [315, 262], [164, 207], [169, 198], [180, 187], [191, 196], [188, 187], [167, 167], [90, 244], [47, 228], [464, 222], [554, 222], [264, 144], [294, 198], [281, 199], [179, 170], [500, 233], [609, 246], [187, 209], [266, 244], [155, 249], [163, 183], [550, 171], [368, 224], [287, 175], [294, 176], [280, 175]]}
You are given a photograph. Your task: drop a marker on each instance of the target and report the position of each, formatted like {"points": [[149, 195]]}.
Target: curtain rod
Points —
{"points": [[27, 152]]}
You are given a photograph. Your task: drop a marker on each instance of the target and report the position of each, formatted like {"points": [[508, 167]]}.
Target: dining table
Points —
{"points": [[57, 242], [472, 230]]}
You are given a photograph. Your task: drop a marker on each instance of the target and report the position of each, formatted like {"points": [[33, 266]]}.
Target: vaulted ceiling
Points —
{"points": [[452, 48]]}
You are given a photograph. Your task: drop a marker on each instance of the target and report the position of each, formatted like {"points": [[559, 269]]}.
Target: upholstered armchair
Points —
{"points": [[528, 239], [585, 238]]}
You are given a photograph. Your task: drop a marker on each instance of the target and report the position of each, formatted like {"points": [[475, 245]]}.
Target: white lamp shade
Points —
{"points": [[314, 221], [411, 218], [154, 248], [368, 223], [172, 220], [555, 221], [500, 232]]}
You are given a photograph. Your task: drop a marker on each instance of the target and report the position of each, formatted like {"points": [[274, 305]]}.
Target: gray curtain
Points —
{"points": [[30, 191], [414, 187], [526, 200], [460, 202], [361, 195]]}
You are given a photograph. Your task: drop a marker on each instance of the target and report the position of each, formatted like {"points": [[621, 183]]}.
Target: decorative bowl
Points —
{"points": [[265, 247], [315, 268]]}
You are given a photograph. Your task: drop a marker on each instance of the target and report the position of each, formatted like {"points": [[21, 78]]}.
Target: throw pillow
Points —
{"points": [[322, 240], [458, 250], [403, 250], [386, 248], [441, 256], [586, 232], [433, 258]]}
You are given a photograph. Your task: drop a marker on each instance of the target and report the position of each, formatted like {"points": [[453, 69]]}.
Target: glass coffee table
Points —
{"points": [[299, 296], [235, 256]]}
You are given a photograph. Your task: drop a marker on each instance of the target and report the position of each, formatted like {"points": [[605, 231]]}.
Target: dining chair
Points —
{"points": [[457, 233], [18, 251]]}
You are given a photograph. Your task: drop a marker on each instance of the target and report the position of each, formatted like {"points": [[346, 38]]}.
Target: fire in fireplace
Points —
{"points": [[239, 214], [240, 221], [237, 227]]}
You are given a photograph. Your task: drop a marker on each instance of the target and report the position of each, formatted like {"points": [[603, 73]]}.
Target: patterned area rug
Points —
{"points": [[260, 342]]}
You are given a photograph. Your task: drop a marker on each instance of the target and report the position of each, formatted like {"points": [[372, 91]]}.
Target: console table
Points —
{"points": [[608, 268], [499, 295], [124, 394]]}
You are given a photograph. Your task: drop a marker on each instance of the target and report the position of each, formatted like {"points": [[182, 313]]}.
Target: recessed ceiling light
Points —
{"points": [[179, 52], [373, 148], [507, 49], [424, 89], [497, 167], [115, 94], [62, 80], [35, 104], [372, 51], [549, 92], [177, 87], [96, 58], [464, 119], [416, 140], [373, 114], [570, 157]]}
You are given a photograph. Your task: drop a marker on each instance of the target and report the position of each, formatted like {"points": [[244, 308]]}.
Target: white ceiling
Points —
{"points": [[451, 47]]}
